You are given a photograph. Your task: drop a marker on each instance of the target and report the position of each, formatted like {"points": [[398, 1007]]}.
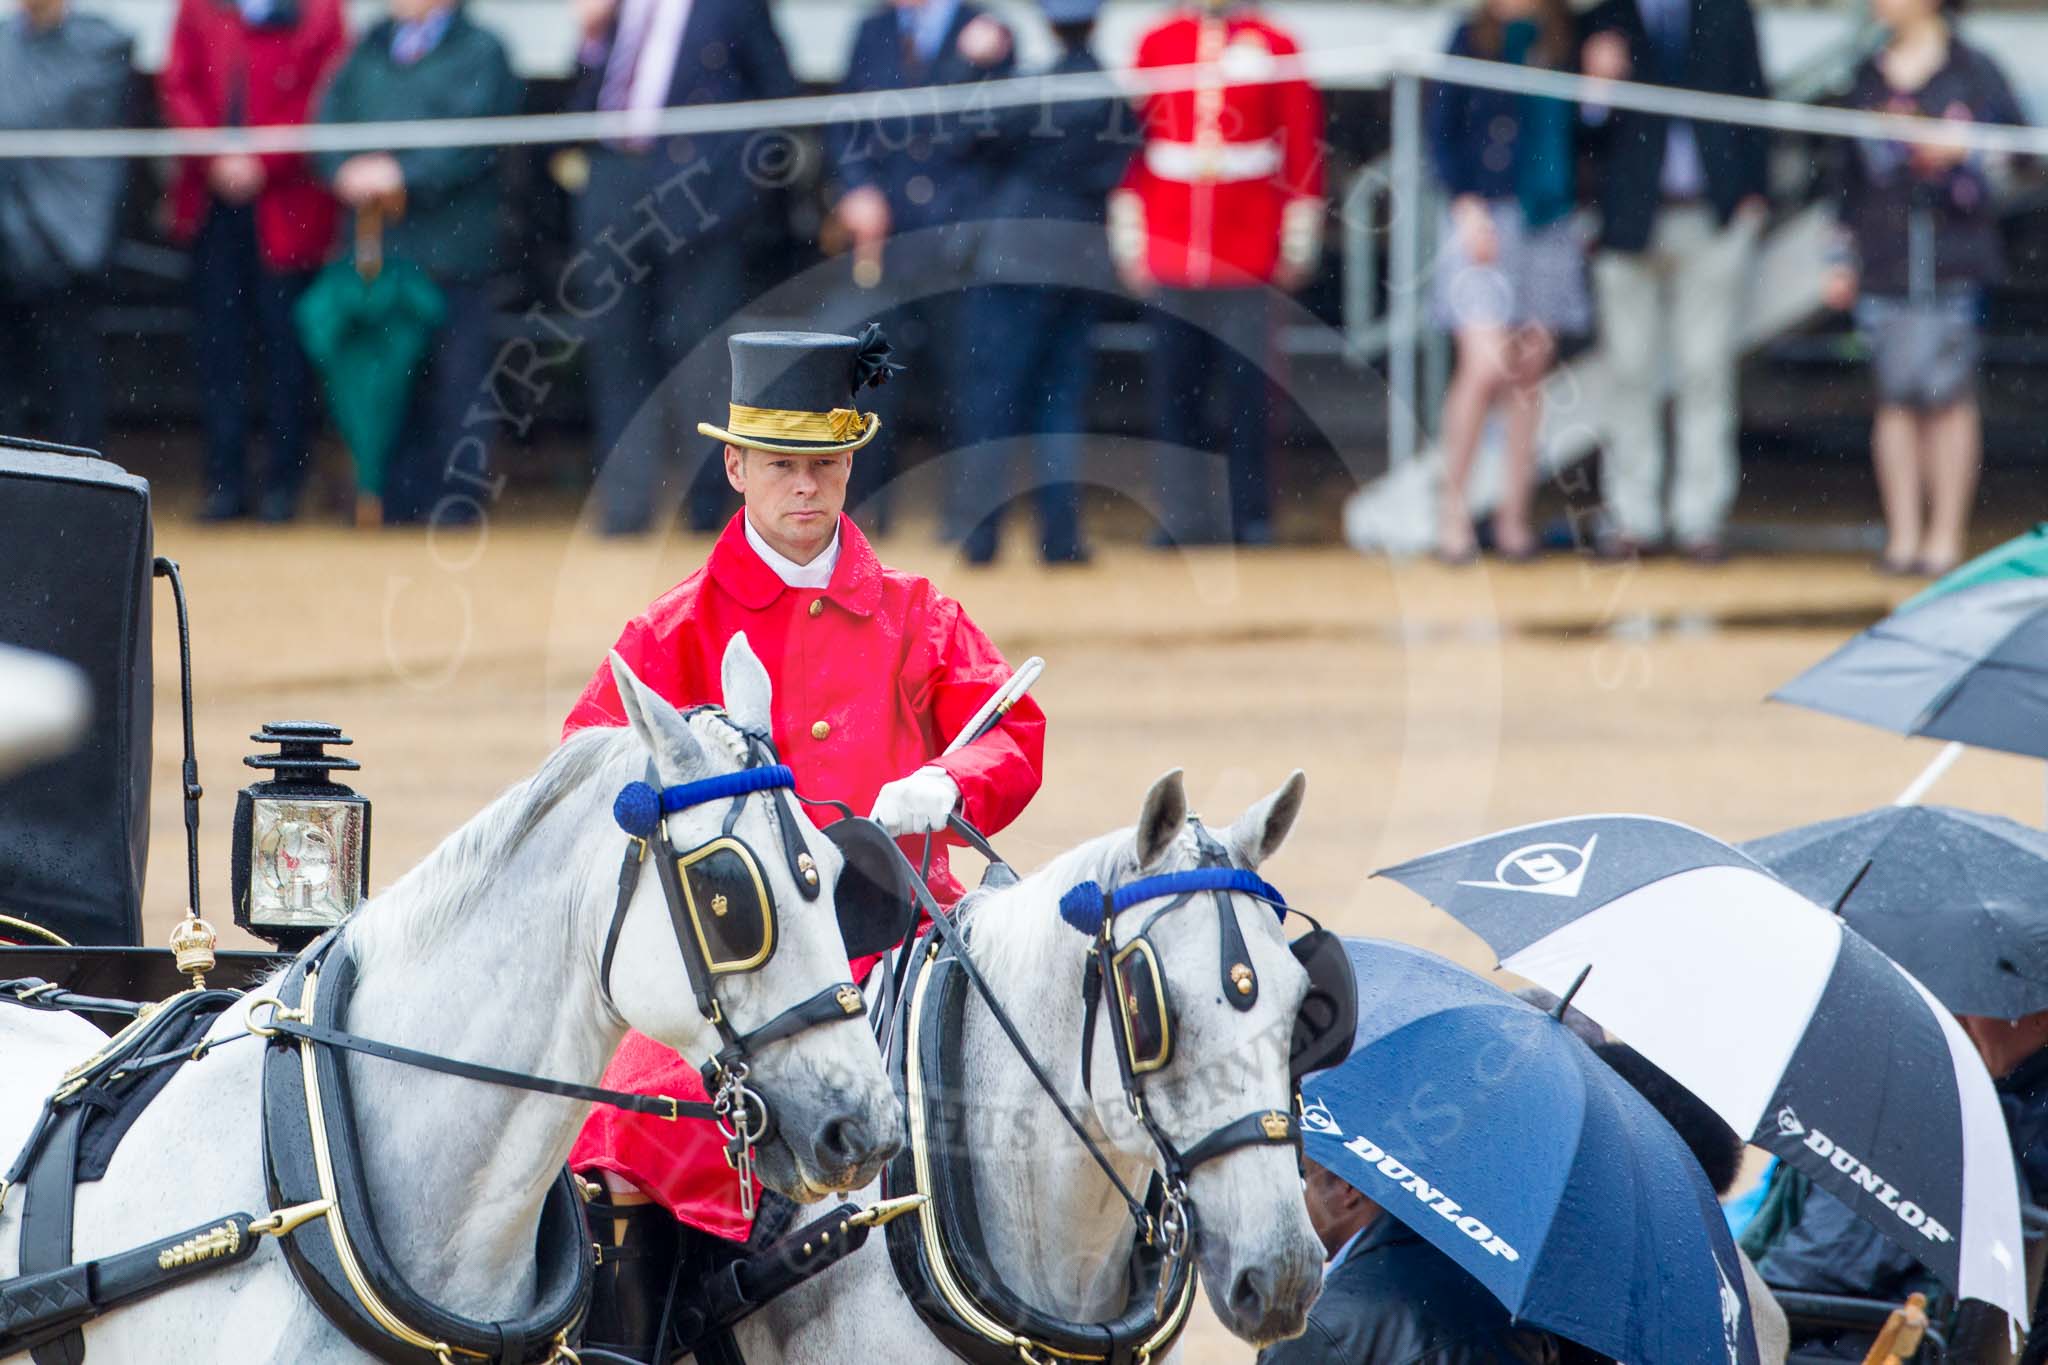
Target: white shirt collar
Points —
{"points": [[816, 574]]}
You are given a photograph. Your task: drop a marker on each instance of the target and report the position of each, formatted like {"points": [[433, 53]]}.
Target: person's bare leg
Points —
{"points": [[1480, 372], [1952, 443], [1895, 456], [1529, 360]]}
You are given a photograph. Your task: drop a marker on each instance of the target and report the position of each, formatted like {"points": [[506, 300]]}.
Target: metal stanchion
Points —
{"points": [[1403, 267]]}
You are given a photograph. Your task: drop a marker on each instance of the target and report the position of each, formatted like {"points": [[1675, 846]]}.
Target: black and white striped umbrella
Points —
{"points": [[1800, 1034]]}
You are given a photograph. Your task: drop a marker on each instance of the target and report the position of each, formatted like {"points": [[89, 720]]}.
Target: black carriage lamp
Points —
{"points": [[301, 841]]}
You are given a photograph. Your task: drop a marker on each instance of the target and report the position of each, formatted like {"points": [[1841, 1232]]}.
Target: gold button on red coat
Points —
{"points": [[820, 730], [817, 606]]}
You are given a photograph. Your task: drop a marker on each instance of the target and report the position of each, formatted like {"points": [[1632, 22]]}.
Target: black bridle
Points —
{"points": [[742, 1115], [1094, 908]]}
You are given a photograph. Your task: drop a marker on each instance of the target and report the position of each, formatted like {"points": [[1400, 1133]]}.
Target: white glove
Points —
{"points": [[917, 804]]}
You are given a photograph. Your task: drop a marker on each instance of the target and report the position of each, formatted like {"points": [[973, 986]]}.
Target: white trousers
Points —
{"points": [[1684, 298]]}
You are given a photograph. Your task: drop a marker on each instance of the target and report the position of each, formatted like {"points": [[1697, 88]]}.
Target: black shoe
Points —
{"points": [[636, 1257], [1254, 533], [277, 507], [221, 505], [1070, 557]]}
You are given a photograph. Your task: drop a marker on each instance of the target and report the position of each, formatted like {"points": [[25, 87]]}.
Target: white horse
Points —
{"points": [[1056, 1231], [487, 951]]}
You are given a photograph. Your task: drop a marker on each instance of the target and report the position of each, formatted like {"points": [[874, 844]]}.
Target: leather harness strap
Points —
{"points": [[46, 1224]]}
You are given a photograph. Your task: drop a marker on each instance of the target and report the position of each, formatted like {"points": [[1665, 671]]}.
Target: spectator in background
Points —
{"points": [[1920, 243], [57, 219], [1223, 202], [258, 226], [1512, 278], [1389, 1296], [1056, 164], [667, 216], [439, 208], [1681, 205], [906, 173]]}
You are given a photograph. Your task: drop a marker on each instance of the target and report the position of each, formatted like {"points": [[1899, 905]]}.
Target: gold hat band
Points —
{"points": [[785, 424]]}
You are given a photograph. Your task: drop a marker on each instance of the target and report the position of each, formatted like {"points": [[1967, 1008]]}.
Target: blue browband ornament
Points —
{"points": [[639, 807], [1085, 906]]}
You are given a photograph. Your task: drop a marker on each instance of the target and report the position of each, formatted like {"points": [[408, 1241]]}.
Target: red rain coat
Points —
{"points": [[223, 70], [874, 675]]}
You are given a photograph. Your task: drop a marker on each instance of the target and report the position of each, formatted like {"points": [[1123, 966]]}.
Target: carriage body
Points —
{"points": [[79, 550]]}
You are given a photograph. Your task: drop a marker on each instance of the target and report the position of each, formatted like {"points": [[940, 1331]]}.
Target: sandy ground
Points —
{"points": [[1427, 705]]}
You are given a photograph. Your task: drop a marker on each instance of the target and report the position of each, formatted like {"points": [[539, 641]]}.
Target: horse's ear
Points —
{"points": [[749, 695], [1258, 833], [1160, 822], [660, 726]]}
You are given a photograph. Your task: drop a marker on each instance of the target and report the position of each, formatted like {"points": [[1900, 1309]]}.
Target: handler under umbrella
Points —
{"points": [[875, 671]]}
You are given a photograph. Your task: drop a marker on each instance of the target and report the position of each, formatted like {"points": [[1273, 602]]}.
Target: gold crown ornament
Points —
{"points": [[192, 945]]}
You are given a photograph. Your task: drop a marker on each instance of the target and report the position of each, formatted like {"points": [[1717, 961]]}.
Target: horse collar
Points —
{"points": [[312, 1158]]}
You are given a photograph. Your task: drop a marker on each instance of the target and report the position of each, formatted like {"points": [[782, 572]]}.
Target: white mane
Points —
{"points": [[446, 886], [1022, 939]]}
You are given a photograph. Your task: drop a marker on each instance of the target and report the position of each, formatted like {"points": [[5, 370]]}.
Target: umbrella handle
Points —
{"points": [[370, 239], [1901, 1334]]}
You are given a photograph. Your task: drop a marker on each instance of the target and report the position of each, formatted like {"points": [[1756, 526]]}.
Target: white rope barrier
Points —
{"points": [[1362, 67], [1359, 67]]}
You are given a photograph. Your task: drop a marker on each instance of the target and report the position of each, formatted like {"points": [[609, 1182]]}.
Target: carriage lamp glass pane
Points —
{"points": [[306, 861]]}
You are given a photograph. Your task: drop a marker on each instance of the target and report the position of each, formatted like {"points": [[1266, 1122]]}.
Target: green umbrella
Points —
{"points": [[2024, 556], [366, 323]]}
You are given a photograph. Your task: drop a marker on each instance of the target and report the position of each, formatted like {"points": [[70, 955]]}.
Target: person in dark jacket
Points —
{"points": [[1512, 276], [662, 225], [1055, 166], [1920, 244], [440, 209], [1390, 1298], [923, 174], [57, 70], [1681, 205]]}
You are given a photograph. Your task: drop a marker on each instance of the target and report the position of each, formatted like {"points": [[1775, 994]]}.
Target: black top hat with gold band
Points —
{"points": [[793, 392]]}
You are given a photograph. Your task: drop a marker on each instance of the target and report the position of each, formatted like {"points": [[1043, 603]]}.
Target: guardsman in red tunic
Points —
{"points": [[875, 671], [1223, 203]]}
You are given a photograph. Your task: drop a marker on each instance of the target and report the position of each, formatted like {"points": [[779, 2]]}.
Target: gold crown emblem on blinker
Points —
{"points": [[848, 998], [1275, 1125], [718, 904]]}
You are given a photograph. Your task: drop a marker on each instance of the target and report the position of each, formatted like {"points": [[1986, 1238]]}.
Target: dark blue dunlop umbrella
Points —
{"points": [[1958, 899], [1970, 665], [1804, 1038], [1494, 1132]]}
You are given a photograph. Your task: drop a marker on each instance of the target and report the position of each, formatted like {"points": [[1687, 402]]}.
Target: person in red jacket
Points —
{"points": [[875, 672], [258, 226], [1223, 202]]}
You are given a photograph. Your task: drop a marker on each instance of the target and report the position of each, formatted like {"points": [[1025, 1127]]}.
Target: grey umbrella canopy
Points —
{"points": [[1959, 899], [1971, 666]]}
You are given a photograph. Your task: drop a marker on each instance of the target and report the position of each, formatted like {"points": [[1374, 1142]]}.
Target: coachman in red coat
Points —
{"points": [[875, 671]]}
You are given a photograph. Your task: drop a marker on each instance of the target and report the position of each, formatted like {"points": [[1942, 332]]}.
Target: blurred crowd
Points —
{"points": [[1007, 229]]}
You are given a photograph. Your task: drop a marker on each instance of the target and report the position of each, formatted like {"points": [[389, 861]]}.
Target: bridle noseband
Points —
{"points": [[717, 898]]}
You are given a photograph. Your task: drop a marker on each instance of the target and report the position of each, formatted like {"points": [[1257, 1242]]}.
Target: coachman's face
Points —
{"points": [[794, 501]]}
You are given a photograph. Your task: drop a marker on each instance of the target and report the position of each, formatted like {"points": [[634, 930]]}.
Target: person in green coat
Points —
{"points": [[440, 208]]}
